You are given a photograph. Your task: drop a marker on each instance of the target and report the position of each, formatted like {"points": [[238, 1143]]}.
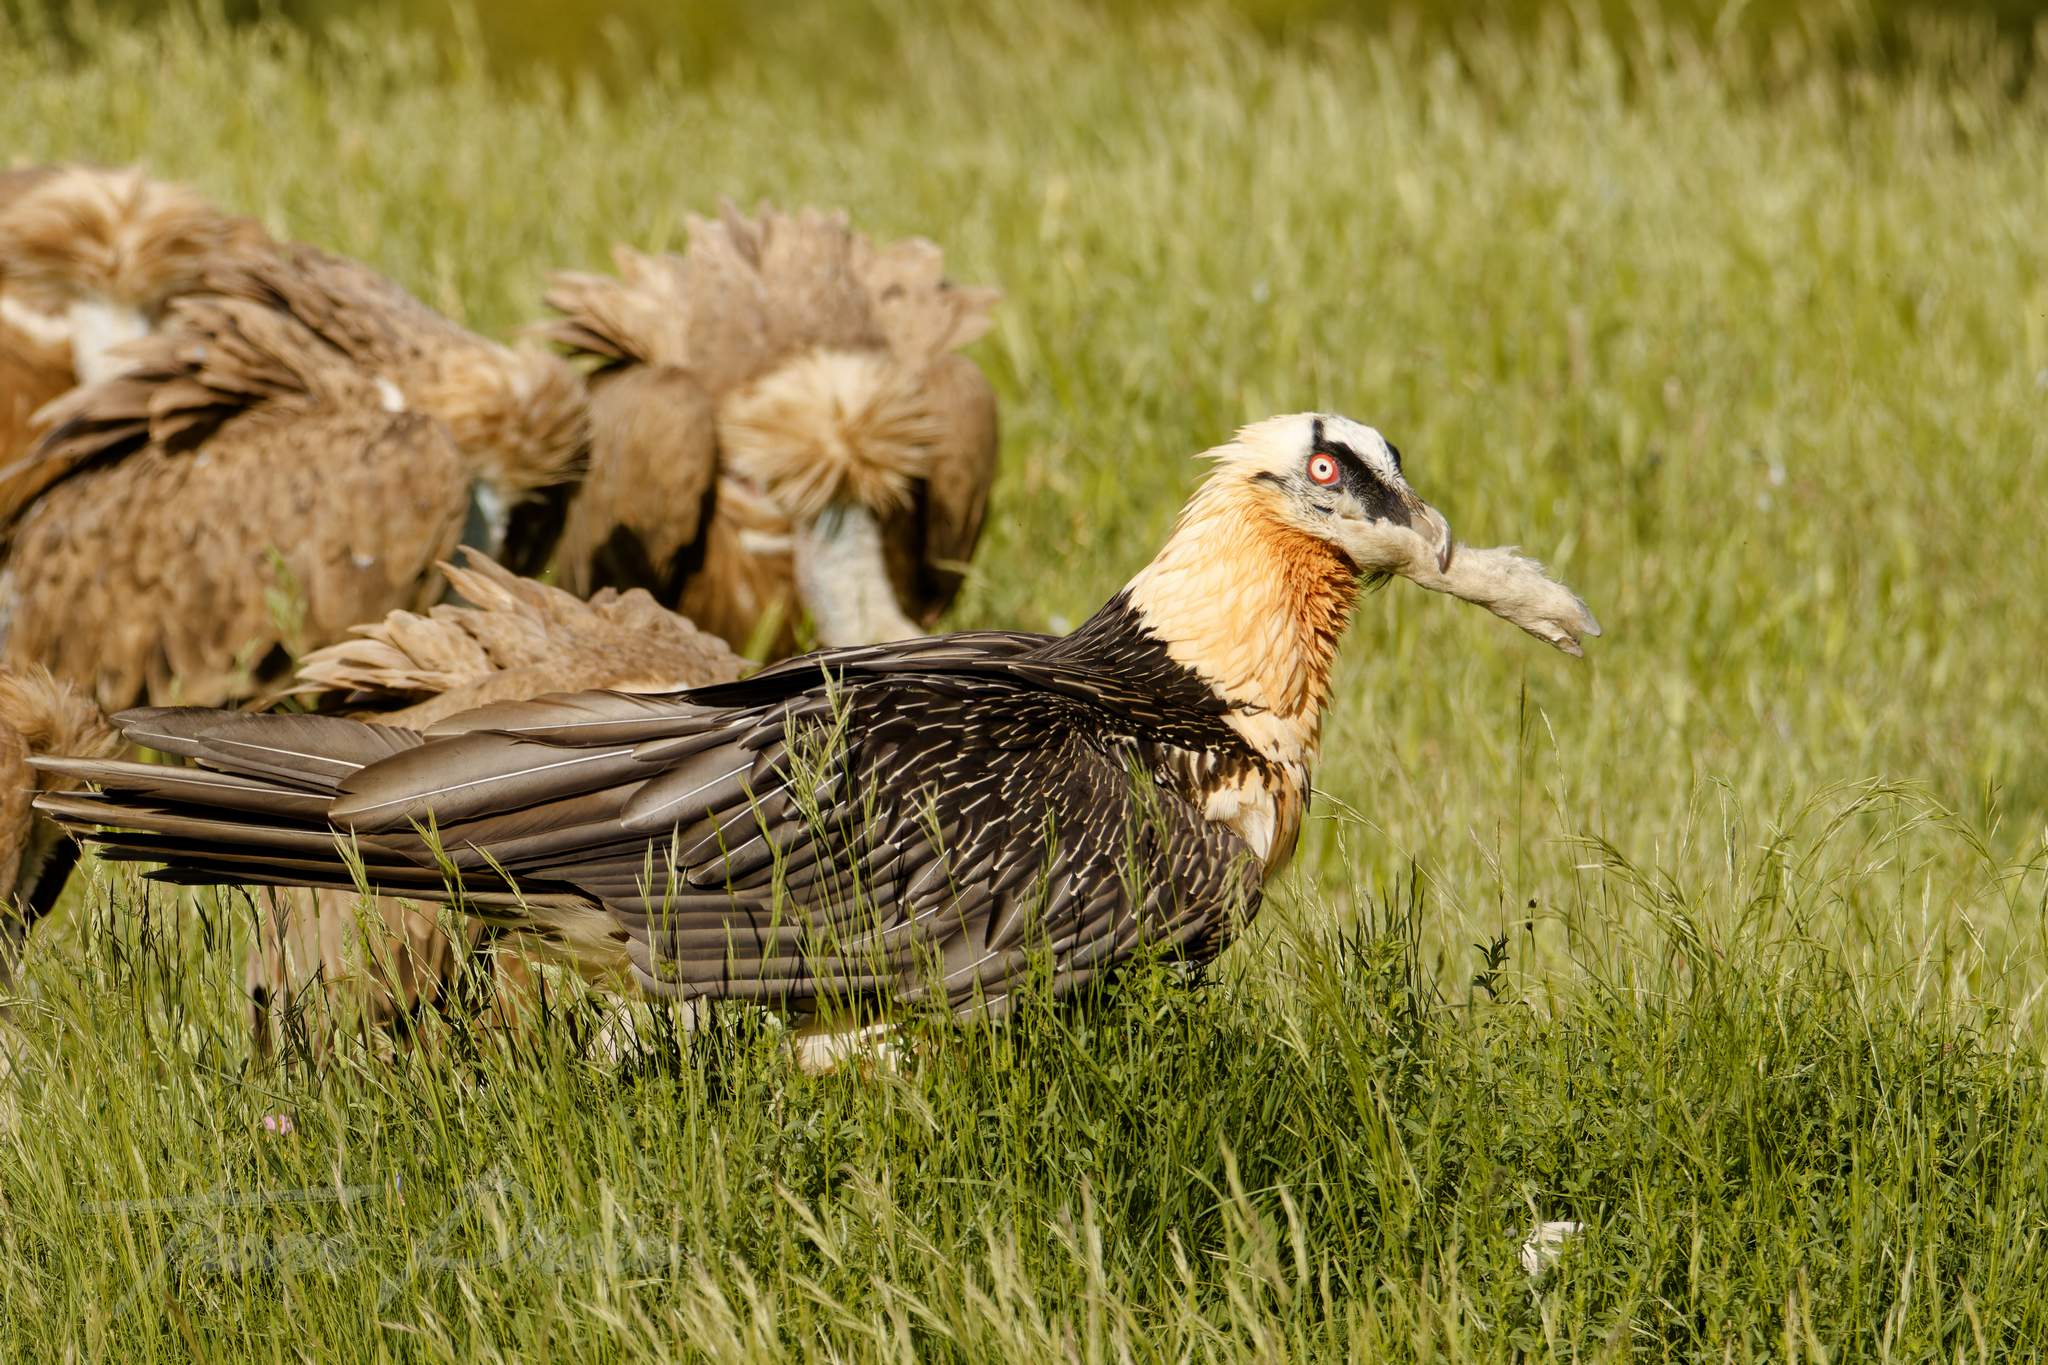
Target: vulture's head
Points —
{"points": [[1255, 586], [1339, 482], [98, 255], [521, 417], [881, 464]]}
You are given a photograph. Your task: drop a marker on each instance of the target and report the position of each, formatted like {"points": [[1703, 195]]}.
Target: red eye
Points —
{"points": [[1323, 469]]}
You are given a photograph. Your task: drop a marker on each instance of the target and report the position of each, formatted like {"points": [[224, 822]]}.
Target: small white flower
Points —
{"points": [[1545, 1243]]}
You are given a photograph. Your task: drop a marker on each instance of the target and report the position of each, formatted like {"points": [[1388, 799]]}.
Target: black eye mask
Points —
{"points": [[1381, 503]]}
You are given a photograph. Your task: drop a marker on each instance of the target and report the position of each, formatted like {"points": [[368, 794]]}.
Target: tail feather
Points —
{"points": [[83, 808], [313, 753], [173, 785], [265, 809]]}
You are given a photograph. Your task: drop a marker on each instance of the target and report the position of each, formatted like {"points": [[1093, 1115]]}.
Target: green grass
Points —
{"points": [[1751, 348]]}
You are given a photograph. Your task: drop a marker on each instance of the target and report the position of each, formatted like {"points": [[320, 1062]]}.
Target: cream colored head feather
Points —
{"points": [[115, 235], [814, 344], [52, 717], [520, 414]]}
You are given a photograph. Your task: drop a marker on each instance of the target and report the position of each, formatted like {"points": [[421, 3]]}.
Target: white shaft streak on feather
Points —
{"points": [[432, 792], [755, 838], [677, 800], [550, 726], [340, 763]]}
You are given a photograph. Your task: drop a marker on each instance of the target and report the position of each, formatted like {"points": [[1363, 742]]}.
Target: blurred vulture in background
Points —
{"points": [[779, 417], [291, 453], [38, 715], [283, 444], [91, 258]]}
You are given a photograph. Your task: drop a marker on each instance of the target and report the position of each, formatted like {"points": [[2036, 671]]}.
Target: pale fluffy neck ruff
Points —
{"points": [[1254, 607], [520, 417]]}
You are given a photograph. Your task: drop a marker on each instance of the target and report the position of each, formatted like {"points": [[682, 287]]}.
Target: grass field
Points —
{"points": [[1728, 942]]}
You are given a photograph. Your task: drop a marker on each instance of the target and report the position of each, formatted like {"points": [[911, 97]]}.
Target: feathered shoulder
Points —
{"points": [[213, 360], [521, 411], [749, 292], [360, 312]]}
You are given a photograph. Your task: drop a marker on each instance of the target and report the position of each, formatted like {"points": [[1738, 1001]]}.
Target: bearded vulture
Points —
{"points": [[847, 833]]}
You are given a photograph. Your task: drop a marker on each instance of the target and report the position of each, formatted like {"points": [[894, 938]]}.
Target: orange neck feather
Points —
{"points": [[1254, 606]]}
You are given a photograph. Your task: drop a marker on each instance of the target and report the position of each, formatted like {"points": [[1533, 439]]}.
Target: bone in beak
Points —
{"points": [[1437, 542], [1514, 588]]}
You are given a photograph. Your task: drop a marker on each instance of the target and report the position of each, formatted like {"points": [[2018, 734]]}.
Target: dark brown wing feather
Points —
{"points": [[653, 454], [987, 808]]}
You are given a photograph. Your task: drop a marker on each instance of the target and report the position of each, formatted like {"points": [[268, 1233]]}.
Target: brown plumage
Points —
{"points": [[291, 454], [508, 638], [519, 415], [783, 396], [935, 819], [89, 258], [38, 715]]}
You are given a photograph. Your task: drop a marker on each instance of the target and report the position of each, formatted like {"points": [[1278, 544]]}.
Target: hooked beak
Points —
{"points": [[1430, 524]]}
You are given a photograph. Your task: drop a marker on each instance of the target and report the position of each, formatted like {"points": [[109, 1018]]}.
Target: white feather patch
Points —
{"points": [[97, 328]]}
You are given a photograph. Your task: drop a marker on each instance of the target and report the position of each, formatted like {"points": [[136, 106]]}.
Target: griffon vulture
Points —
{"points": [[291, 453], [90, 257], [780, 416]]}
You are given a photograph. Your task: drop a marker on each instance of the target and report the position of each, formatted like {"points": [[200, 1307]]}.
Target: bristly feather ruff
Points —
{"points": [[520, 412], [832, 426], [52, 717], [510, 632], [38, 715], [813, 342]]}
